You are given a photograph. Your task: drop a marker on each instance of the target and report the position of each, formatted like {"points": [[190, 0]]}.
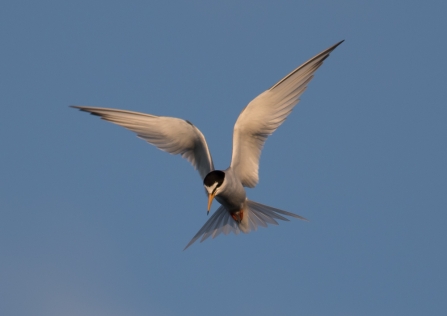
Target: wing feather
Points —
{"points": [[263, 115], [173, 135]]}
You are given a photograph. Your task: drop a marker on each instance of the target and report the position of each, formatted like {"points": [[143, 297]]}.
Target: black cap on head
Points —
{"points": [[213, 177]]}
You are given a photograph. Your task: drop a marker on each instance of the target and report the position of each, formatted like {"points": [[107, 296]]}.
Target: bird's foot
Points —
{"points": [[238, 216]]}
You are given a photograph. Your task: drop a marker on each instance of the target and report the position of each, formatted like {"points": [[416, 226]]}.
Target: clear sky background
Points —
{"points": [[94, 220]]}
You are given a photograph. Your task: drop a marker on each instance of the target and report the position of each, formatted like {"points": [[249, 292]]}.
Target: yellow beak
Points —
{"points": [[210, 200]]}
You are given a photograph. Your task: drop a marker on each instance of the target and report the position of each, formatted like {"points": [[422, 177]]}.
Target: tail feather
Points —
{"points": [[214, 225], [227, 225], [271, 211], [261, 218], [272, 215], [255, 214]]}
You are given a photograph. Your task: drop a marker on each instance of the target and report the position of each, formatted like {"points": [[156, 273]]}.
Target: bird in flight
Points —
{"points": [[260, 118]]}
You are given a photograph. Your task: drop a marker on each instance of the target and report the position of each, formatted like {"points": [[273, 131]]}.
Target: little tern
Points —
{"points": [[259, 119]]}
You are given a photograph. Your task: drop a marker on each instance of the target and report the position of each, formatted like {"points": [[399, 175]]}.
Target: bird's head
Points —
{"points": [[213, 184]]}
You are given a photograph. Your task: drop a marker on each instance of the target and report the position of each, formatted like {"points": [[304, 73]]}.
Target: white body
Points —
{"points": [[232, 195]]}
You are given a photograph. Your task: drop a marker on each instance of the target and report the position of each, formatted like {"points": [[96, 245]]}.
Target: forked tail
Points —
{"points": [[255, 214]]}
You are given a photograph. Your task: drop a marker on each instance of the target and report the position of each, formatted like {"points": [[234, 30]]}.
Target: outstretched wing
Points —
{"points": [[255, 214], [173, 135], [262, 116]]}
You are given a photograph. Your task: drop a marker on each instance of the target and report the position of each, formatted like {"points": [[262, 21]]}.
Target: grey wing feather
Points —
{"points": [[173, 135], [262, 116]]}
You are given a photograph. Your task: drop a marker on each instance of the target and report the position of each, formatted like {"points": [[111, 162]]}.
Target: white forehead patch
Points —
{"points": [[211, 188]]}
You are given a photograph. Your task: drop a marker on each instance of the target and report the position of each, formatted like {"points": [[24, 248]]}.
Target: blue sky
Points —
{"points": [[94, 220]]}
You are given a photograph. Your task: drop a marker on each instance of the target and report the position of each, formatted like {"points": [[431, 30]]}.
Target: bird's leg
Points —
{"points": [[238, 216]]}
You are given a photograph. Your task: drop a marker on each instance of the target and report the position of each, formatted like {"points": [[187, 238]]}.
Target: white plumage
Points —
{"points": [[260, 118]]}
